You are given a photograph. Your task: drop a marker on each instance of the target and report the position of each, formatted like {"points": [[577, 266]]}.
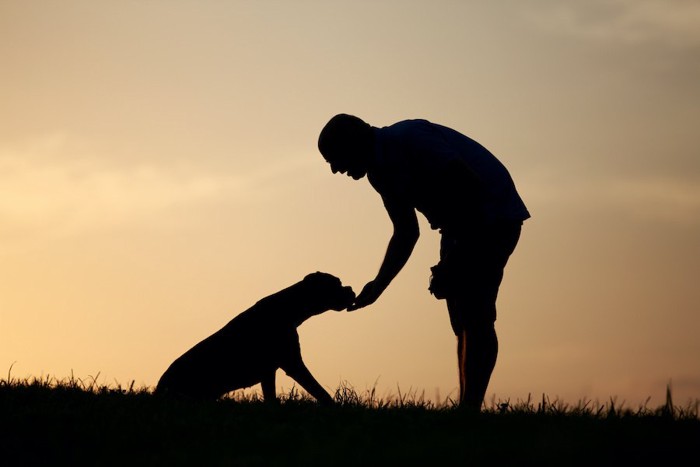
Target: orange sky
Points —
{"points": [[159, 174]]}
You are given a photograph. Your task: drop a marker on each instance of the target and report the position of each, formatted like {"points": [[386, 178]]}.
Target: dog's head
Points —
{"points": [[329, 292]]}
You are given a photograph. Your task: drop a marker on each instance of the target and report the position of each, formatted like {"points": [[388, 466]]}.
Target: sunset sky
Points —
{"points": [[159, 174]]}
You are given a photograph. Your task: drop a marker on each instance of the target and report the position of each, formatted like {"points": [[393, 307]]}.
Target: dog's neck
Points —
{"points": [[296, 314]]}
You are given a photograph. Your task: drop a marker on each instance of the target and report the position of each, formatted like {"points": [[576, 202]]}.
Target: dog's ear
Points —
{"points": [[312, 275], [319, 276], [322, 281]]}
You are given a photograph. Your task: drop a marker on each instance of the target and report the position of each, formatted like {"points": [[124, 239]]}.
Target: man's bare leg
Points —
{"points": [[461, 363], [478, 353]]}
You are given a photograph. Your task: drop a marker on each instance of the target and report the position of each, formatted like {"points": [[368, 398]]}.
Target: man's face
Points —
{"points": [[345, 169], [348, 165]]}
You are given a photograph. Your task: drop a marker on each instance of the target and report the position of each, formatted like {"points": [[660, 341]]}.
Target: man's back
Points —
{"points": [[427, 164]]}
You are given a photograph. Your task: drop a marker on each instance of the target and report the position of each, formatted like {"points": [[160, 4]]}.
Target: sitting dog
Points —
{"points": [[254, 344]]}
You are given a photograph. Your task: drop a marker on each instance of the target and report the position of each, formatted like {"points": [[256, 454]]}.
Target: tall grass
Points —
{"points": [[79, 421], [347, 396]]}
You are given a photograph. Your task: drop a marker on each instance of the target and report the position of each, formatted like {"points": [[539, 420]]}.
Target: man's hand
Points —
{"points": [[370, 293], [401, 244]]}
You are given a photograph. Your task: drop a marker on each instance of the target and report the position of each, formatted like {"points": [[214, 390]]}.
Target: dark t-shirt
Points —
{"points": [[447, 176]]}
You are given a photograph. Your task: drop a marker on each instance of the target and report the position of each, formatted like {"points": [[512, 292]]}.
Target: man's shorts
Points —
{"points": [[474, 263]]}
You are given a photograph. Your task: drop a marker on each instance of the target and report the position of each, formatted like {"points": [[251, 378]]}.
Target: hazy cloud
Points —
{"points": [[47, 190], [662, 199], [54, 200], [669, 22], [652, 198]]}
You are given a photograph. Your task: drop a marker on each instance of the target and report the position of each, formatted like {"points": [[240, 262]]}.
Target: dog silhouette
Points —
{"points": [[254, 344]]}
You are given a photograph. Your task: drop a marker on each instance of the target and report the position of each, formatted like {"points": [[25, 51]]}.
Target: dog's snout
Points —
{"points": [[345, 298]]}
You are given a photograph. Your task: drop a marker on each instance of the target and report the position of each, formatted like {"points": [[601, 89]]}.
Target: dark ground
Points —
{"points": [[41, 424]]}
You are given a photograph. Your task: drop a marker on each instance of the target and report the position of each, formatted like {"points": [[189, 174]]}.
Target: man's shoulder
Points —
{"points": [[405, 126], [406, 136]]}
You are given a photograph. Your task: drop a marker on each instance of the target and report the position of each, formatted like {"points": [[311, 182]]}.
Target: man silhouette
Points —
{"points": [[464, 191]]}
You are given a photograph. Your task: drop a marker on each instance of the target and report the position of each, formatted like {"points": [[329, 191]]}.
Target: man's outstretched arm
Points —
{"points": [[400, 247]]}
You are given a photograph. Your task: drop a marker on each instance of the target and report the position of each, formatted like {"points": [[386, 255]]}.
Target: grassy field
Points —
{"points": [[51, 422]]}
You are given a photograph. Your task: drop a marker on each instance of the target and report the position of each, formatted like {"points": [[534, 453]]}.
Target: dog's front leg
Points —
{"points": [[268, 387], [303, 376]]}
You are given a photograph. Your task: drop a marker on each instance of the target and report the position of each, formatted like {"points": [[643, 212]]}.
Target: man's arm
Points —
{"points": [[401, 244]]}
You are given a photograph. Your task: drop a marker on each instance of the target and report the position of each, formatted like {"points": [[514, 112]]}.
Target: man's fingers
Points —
{"points": [[360, 302], [356, 306], [366, 297]]}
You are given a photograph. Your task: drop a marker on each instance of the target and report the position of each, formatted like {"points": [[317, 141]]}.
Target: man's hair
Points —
{"points": [[343, 134]]}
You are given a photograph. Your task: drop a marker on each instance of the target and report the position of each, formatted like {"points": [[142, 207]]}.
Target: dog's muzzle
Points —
{"points": [[347, 298]]}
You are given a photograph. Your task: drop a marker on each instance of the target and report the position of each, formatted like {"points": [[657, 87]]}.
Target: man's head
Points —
{"points": [[347, 144]]}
